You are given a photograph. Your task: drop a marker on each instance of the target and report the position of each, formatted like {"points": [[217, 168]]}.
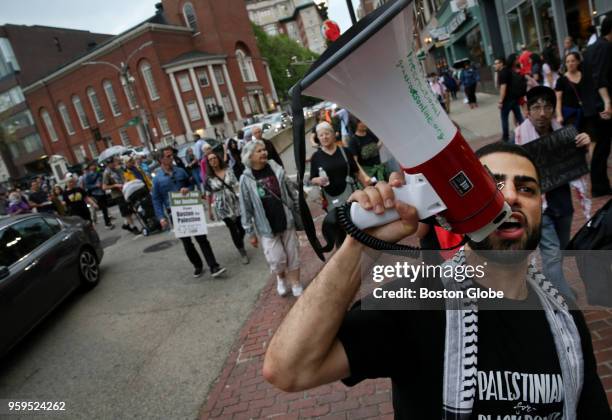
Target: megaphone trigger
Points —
{"points": [[417, 192]]}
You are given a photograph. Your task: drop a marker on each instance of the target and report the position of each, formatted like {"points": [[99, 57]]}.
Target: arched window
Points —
{"points": [[246, 105], [246, 66], [66, 118], [111, 98], [190, 17], [44, 114], [80, 111], [95, 104], [147, 75]]}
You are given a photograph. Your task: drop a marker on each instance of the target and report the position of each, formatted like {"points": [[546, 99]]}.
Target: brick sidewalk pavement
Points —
{"points": [[241, 392]]}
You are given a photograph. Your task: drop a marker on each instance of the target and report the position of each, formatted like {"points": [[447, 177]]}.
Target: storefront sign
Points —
{"points": [[456, 21], [457, 5], [188, 215], [439, 34]]}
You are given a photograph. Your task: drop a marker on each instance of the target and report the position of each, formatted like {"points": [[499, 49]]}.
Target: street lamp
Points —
{"points": [[128, 81]]}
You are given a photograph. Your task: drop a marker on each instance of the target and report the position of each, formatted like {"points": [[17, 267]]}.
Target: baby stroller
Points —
{"points": [[138, 197]]}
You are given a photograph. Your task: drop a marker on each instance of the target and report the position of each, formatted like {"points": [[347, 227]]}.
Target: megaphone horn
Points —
{"points": [[373, 71]]}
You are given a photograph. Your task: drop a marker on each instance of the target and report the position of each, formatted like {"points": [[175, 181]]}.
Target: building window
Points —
{"points": [[48, 125], [246, 66], [8, 61], [227, 104], [219, 75], [32, 143], [125, 138], [194, 112], [14, 149], [80, 111], [271, 29], [95, 104], [147, 74], [66, 118], [184, 82], [210, 104], [128, 90], [111, 98], [202, 75], [79, 153], [93, 150], [10, 98], [163, 123], [190, 17], [245, 105], [142, 135], [18, 121]]}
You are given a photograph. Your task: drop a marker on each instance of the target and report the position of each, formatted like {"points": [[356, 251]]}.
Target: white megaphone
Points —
{"points": [[373, 71]]}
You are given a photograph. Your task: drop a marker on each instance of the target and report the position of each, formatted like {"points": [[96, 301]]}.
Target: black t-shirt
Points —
{"points": [[365, 148], [335, 166], [270, 198], [75, 201], [40, 197], [570, 91], [408, 347], [504, 77]]}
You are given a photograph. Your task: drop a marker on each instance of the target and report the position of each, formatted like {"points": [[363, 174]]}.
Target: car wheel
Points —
{"points": [[89, 269]]}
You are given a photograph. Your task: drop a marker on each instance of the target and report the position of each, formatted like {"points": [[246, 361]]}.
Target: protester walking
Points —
{"points": [[469, 80], [192, 166], [568, 87], [597, 105], [232, 152], [268, 203], [17, 204], [113, 180], [365, 147], [221, 185], [76, 199], [93, 187], [39, 199], [509, 95], [558, 210], [272, 152], [170, 178], [57, 198]]}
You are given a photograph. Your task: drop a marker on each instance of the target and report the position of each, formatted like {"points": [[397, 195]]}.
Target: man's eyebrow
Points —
{"points": [[499, 177], [524, 179]]}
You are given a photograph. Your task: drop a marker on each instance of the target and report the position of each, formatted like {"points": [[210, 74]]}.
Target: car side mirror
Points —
{"points": [[4, 271]]}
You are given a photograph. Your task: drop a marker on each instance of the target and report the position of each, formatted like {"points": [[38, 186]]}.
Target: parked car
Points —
{"points": [[265, 127], [43, 259], [278, 121], [216, 145]]}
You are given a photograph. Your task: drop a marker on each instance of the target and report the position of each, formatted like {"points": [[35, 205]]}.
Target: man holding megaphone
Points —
{"points": [[454, 364]]}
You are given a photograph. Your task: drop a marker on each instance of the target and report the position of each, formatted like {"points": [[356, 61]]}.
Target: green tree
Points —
{"points": [[281, 51]]}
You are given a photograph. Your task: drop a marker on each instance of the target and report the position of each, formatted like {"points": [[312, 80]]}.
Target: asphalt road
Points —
{"points": [[147, 342]]}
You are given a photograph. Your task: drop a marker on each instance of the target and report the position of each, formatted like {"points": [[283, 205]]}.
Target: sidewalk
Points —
{"points": [[240, 391]]}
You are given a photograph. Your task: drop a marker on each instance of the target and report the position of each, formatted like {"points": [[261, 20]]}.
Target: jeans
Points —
{"points": [[236, 231], [193, 255], [555, 237], [505, 112]]}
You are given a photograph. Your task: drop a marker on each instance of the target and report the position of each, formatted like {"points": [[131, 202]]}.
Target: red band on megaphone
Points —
{"points": [[465, 186]]}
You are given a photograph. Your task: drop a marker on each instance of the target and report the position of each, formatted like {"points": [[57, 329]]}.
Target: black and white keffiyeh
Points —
{"points": [[461, 345]]}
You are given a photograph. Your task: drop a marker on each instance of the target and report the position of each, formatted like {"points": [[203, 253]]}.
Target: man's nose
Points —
{"points": [[510, 193]]}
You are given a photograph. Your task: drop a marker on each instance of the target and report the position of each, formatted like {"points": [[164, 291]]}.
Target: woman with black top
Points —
{"points": [[568, 88], [221, 185], [340, 170]]}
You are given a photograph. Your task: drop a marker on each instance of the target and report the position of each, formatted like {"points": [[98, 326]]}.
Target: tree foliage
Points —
{"points": [[279, 51]]}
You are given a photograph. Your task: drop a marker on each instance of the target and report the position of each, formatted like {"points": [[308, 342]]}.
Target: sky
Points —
{"points": [[108, 16]]}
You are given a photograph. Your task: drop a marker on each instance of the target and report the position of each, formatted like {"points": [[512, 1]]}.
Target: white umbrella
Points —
{"points": [[110, 152]]}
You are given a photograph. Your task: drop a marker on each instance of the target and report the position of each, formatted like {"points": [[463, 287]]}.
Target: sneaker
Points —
{"points": [[126, 227], [135, 230], [281, 288], [217, 271], [110, 226], [297, 290], [243, 254], [198, 272]]}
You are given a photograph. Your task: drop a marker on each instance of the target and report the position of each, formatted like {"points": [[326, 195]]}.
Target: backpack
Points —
{"points": [[594, 241], [518, 85]]}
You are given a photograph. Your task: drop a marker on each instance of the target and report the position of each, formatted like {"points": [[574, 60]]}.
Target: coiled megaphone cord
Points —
{"points": [[343, 218]]}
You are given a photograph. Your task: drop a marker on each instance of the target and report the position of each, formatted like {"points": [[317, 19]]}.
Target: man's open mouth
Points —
{"points": [[513, 228]]}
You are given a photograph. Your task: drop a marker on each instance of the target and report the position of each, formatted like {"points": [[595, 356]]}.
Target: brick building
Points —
{"points": [[300, 20], [193, 66], [26, 54]]}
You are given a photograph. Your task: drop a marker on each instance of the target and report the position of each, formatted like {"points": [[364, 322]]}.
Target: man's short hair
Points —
{"points": [[541, 92], [505, 147], [501, 60]]}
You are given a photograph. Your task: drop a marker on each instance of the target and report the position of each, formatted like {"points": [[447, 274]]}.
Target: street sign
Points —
{"points": [[132, 122], [188, 215]]}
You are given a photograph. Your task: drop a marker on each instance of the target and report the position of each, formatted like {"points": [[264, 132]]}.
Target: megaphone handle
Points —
{"points": [[417, 192]]}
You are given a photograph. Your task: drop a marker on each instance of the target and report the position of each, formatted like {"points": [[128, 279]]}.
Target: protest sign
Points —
{"points": [[558, 158], [188, 215]]}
